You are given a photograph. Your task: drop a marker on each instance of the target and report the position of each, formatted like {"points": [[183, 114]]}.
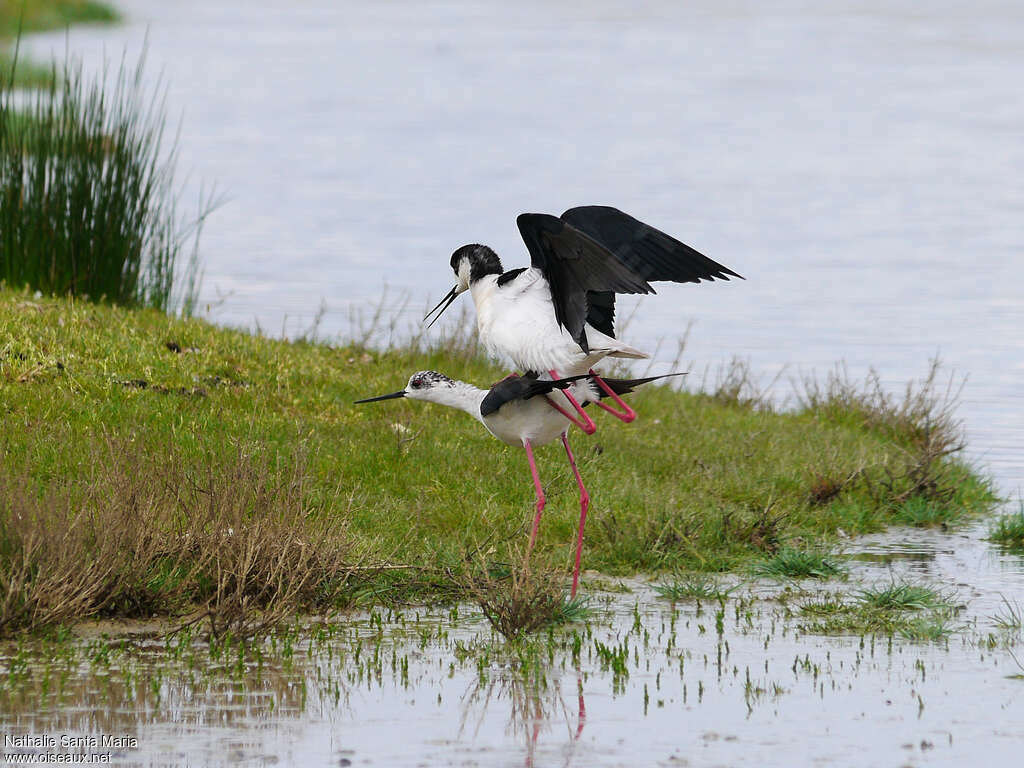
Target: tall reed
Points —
{"points": [[88, 204]]}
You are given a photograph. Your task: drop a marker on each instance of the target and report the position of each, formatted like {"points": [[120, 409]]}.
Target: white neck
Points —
{"points": [[460, 395]]}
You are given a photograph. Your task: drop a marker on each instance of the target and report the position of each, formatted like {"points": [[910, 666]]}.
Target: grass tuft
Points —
{"points": [[1010, 617], [913, 611], [88, 205], [1008, 530], [900, 596], [694, 586], [523, 601], [791, 563]]}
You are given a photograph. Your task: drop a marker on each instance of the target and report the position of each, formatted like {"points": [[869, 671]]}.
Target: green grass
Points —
{"points": [[901, 596], [24, 73], [913, 611], [791, 563], [100, 402], [1008, 530], [1010, 617], [922, 512], [29, 16], [694, 586], [88, 205], [43, 15]]}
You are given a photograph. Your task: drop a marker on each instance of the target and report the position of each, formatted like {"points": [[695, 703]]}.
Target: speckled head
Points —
{"points": [[423, 385], [423, 381]]}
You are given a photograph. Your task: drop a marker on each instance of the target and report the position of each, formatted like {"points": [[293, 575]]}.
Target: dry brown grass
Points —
{"points": [[922, 423], [519, 602], [233, 545]]}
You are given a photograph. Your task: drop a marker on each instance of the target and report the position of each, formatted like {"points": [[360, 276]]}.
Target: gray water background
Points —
{"points": [[861, 163]]}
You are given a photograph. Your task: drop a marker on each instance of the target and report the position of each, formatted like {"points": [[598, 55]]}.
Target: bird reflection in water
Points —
{"points": [[536, 704]]}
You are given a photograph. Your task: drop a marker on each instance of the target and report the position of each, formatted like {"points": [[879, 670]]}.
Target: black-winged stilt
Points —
{"points": [[558, 315], [517, 411]]}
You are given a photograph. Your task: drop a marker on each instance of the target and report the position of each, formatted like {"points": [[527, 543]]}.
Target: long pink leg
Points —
{"points": [[627, 414], [584, 422], [540, 493], [584, 504], [581, 703]]}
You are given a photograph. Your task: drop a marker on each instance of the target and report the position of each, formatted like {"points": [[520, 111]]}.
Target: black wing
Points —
{"points": [[647, 251], [521, 388], [601, 311], [575, 264]]}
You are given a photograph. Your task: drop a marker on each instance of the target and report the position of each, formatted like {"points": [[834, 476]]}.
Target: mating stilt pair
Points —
{"points": [[558, 314]]}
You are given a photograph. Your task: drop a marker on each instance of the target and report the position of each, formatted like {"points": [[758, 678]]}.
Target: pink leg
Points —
{"points": [[540, 493], [584, 504], [627, 414], [584, 422], [581, 704]]}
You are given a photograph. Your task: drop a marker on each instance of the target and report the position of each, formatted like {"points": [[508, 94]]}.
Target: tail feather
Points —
{"points": [[630, 352], [625, 386], [599, 342]]}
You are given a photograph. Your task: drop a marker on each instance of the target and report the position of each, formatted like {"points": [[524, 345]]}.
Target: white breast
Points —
{"points": [[534, 419], [517, 322]]}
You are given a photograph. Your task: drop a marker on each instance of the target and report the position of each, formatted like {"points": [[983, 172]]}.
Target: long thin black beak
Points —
{"points": [[446, 301], [392, 396]]}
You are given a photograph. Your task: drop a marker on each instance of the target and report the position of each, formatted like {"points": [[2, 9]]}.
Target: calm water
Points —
{"points": [[861, 163]]}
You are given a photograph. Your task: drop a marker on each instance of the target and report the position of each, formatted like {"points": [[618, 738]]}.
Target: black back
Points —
{"points": [[516, 387]]}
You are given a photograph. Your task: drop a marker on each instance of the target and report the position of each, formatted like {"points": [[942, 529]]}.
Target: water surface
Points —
{"points": [[436, 687]]}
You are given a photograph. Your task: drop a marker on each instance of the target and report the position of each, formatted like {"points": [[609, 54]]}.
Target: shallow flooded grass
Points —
{"points": [[910, 610], [735, 677], [1008, 530], [694, 586], [800, 564]]}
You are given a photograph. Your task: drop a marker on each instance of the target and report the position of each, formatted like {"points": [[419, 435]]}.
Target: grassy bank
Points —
{"points": [[29, 16], [153, 465]]}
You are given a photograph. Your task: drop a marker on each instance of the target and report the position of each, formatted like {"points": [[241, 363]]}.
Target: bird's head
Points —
{"points": [[423, 385], [469, 263]]}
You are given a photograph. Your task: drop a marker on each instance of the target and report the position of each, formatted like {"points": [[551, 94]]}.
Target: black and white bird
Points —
{"points": [[557, 316], [522, 410]]}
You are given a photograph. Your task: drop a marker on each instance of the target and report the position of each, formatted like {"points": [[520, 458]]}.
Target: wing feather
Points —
{"points": [[521, 388], [646, 251]]}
